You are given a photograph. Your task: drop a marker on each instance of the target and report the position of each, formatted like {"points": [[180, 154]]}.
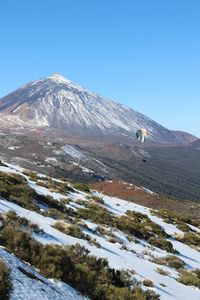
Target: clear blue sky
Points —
{"points": [[143, 53]]}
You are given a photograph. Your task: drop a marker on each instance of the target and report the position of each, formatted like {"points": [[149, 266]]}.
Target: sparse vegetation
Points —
{"points": [[174, 262], [78, 272], [61, 187], [72, 264], [191, 239], [32, 175], [82, 187], [94, 242], [177, 219], [190, 278], [162, 243], [53, 213], [113, 240], [162, 272], [101, 230], [97, 199], [14, 219], [148, 282], [97, 214], [69, 229], [80, 202], [139, 225], [14, 188]]}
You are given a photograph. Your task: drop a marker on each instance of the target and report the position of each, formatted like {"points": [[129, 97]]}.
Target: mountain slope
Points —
{"points": [[59, 104], [114, 235], [169, 170], [29, 284]]}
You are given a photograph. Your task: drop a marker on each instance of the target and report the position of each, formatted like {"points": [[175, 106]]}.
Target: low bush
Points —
{"points": [[112, 240], [162, 244], [82, 187], [32, 175], [191, 239], [162, 272], [184, 227], [14, 188], [148, 282], [190, 278], [176, 218], [98, 199], [5, 282], [96, 214], [69, 229], [53, 213], [174, 262]]}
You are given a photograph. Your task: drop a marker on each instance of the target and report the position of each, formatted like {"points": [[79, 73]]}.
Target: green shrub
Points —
{"points": [[80, 202], [182, 226], [162, 272], [14, 188], [32, 175], [140, 225], [101, 230], [189, 278], [95, 243], [162, 244], [82, 187], [176, 218], [64, 201], [174, 262], [13, 219], [191, 239], [148, 282], [53, 213], [11, 215], [69, 229], [112, 240], [98, 199], [96, 214], [5, 282]]}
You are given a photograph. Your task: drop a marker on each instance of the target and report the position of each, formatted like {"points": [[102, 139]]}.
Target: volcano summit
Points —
{"points": [[55, 103]]}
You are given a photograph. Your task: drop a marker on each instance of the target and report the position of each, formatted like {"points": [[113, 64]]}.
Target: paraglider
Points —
{"points": [[141, 135]]}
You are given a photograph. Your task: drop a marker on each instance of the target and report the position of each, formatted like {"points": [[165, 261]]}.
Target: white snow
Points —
{"points": [[51, 159], [84, 169], [13, 147], [70, 150]]}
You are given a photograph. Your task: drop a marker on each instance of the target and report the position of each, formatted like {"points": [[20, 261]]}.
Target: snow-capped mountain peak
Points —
{"points": [[59, 79], [58, 103]]}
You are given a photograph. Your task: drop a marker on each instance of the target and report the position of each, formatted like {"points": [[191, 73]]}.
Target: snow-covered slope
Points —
{"points": [[57, 103], [29, 284], [132, 255]]}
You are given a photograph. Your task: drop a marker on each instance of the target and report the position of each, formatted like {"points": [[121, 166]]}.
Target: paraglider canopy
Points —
{"points": [[141, 135]]}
